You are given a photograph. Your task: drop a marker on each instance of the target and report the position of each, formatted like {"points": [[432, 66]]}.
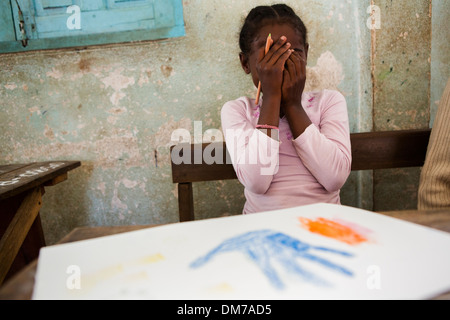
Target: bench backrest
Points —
{"points": [[370, 151]]}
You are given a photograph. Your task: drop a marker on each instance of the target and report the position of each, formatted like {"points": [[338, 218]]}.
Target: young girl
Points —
{"points": [[293, 148]]}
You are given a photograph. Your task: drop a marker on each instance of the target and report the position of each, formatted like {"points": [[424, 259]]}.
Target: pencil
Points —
{"points": [[268, 44]]}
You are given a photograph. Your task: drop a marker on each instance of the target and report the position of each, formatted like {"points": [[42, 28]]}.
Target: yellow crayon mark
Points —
{"points": [[103, 275], [221, 288]]}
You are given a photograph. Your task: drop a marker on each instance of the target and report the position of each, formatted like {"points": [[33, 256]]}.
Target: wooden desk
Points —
{"points": [[21, 286], [21, 190]]}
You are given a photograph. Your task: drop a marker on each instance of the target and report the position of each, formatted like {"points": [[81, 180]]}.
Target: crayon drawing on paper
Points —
{"points": [[266, 248], [338, 229], [312, 252]]}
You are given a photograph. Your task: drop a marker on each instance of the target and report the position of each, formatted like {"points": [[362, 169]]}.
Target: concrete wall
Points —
{"points": [[403, 83], [115, 107]]}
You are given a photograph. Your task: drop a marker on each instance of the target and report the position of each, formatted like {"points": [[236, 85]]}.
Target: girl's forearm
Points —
{"points": [[270, 115], [298, 119], [270, 111]]}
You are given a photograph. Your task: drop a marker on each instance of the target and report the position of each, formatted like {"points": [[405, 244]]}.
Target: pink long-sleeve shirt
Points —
{"points": [[290, 172]]}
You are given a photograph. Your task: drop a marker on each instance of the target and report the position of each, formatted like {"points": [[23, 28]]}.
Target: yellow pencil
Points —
{"points": [[268, 44]]}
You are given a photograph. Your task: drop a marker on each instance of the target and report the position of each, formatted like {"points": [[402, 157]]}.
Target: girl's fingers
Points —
{"points": [[273, 48], [281, 59], [277, 50], [287, 76], [280, 43], [291, 66], [281, 55], [300, 63]]}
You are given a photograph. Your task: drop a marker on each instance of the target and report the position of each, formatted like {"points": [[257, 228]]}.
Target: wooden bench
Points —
{"points": [[370, 151]]}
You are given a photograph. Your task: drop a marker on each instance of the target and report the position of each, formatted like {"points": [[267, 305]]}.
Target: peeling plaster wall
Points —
{"points": [[115, 107]]}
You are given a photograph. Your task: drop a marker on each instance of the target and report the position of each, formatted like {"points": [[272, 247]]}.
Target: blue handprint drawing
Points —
{"points": [[264, 247]]}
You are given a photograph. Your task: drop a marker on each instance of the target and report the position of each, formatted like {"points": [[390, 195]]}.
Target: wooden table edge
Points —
{"points": [[41, 181]]}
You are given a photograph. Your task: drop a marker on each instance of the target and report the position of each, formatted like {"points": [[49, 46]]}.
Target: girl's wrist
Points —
{"points": [[294, 109], [291, 106], [297, 118], [274, 95], [270, 111]]}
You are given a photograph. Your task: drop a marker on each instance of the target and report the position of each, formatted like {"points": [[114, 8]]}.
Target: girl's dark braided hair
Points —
{"points": [[262, 15]]}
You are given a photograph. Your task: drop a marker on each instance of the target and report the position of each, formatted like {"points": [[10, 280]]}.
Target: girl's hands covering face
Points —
{"points": [[294, 78], [270, 66]]}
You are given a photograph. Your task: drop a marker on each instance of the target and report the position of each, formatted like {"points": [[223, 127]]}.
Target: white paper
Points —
{"points": [[313, 252]]}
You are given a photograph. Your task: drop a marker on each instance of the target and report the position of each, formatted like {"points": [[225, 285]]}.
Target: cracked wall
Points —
{"points": [[115, 107]]}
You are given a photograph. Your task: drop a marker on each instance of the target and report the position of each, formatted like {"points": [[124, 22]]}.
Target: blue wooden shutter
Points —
{"points": [[45, 22], [7, 32]]}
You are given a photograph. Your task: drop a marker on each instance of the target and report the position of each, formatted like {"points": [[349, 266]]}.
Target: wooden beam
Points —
{"points": [[370, 151], [389, 149], [56, 180], [196, 170]]}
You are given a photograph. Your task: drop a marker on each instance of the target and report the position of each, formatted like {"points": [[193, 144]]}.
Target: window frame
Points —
{"points": [[9, 41]]}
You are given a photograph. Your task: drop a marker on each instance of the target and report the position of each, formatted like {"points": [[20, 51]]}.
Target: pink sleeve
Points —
{"points": [[326, 151], [254, 155]]}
